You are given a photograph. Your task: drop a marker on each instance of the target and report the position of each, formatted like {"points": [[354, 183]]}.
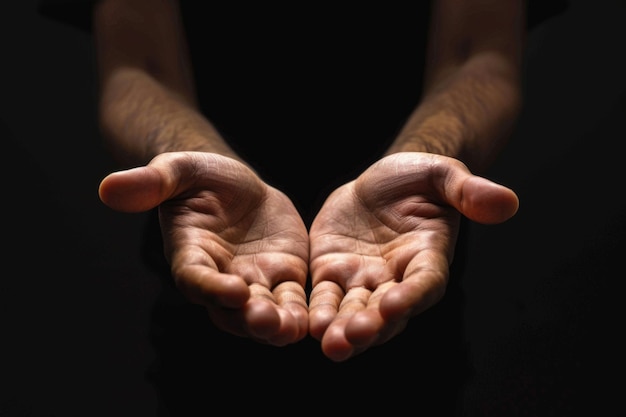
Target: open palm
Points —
{"points": [[381, 246], [235, 244]]}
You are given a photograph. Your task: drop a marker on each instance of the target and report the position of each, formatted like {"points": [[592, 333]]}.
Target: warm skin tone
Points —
{"points": [[379, 250]]}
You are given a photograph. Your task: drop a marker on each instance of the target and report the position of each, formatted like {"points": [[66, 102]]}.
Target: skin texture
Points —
{"points": [[234, 244], [381, 246], [379, 250]]}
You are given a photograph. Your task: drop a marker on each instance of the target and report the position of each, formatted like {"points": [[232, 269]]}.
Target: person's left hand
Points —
{"points": [[381, 246]]}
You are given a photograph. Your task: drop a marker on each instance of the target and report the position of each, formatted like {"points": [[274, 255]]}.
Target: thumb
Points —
{"points": [[133, 190], [484, 201]]}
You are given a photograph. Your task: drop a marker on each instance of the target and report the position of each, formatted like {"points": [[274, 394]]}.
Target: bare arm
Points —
{"points": [[147, 101], [381, 245], [235, 245], [472, 83]]}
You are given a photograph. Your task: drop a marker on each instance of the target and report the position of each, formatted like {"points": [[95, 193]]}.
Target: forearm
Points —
{"points": [[472, 90], [147, 101], [141, 118], [468, 115]]}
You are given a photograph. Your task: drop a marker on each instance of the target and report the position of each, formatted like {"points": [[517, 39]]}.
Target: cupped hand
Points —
{"points": [[235, 244], [381, 246]]}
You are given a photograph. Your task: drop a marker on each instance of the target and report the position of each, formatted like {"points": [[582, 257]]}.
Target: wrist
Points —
{"points": [[466, 116], [140, 118]]}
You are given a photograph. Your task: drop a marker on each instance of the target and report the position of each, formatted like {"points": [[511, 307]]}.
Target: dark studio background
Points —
{"points": [[541, 324]]}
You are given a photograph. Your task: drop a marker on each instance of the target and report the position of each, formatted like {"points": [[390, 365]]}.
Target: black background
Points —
{"points": [[538, 303]]}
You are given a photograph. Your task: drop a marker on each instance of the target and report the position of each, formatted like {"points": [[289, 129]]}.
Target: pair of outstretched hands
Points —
{"points": [[378, 252]]}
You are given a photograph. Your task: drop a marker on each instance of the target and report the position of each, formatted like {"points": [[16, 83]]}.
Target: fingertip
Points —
{"points": [[104, 188], [109, 192], [264, 320], [363, 327], [234, 292], [134, 190], [319, 320], [293, 328], [336, 348], [486, 202]]}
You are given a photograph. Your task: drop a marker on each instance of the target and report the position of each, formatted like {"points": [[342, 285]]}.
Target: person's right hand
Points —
{"points": [[235, 244]]}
